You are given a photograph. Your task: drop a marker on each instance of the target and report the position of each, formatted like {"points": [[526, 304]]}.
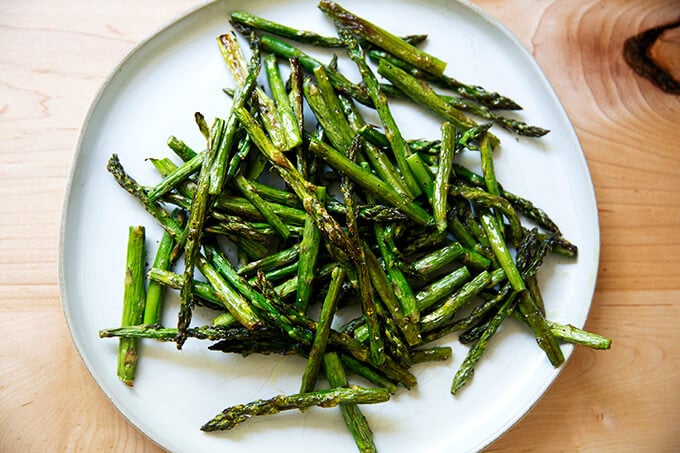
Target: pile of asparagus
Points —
{"points": [[368, 219]]}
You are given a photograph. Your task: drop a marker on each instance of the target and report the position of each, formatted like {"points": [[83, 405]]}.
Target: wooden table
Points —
{"points": [[53, 57]]}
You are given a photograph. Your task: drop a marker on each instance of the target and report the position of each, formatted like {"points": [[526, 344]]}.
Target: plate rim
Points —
{"points": [[149, 36]]}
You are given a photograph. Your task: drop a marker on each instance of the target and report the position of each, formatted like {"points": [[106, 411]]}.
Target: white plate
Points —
{"points": [[154, 92]]}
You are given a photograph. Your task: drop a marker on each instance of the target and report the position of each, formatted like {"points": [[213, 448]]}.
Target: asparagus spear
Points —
{"points": [[248, 191], [466, 369], [420, 92], [422, 175], [309, 252], [133, 303], [385, 291], [287, 117], [369, 182], [402, 289], [133, 188], [435, 354], [316, 353], [455, 302], [264, 304], [194, 228], [378, 159], [180, 148], [339, 81], [326, 107], [441, 182], [219, 166], [367, 372], [354, 419], [368, 306], [488, 200], [511, 124], [274, 260], [436, 260], [212, 333], [296, 100], [172, 280], [383, 39], [326, 224], [244, 21], [439, 289], [233, 301], [572, 334], [489, 99], [179, 175], [304, 36], [241, 206], [155, 291], [233, 416], [398, 144]]}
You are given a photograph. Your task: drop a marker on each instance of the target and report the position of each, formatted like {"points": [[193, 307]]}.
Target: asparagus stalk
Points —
{"points": [[316, 353], [383, 39], [379, 160], [339, 81], [287, 117], [241, 154], [441, 182], [309, 252], [194, 228], [327, 110], [233, 416], [367, 372], [516, 126], [420, 92], [296, 99], [133, 188], [200, 333], [372, 184], [455, 302], [466, 369], [402, 289], [274, 260], [435, 354], [241, 206], [439, 289], [572, 334], [180, 148], [170, 279], [133, 303], [422, 175], [476, 93], [488, 200], [368, 305], [436, 260], [244, 21], [202, 125], [511, 124], [354, 419], [259, 300], [326, 224], [233, 57], [219, 166], [155, 291], [249, 192], [398, 144], [383, 286], [179, 175], [304, 36]]}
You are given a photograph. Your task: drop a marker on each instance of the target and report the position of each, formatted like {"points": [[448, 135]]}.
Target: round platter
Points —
{"points": [[154, 92]]}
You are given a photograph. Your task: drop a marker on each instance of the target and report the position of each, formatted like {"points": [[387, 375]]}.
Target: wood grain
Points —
{"points": [[54, 56]]}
